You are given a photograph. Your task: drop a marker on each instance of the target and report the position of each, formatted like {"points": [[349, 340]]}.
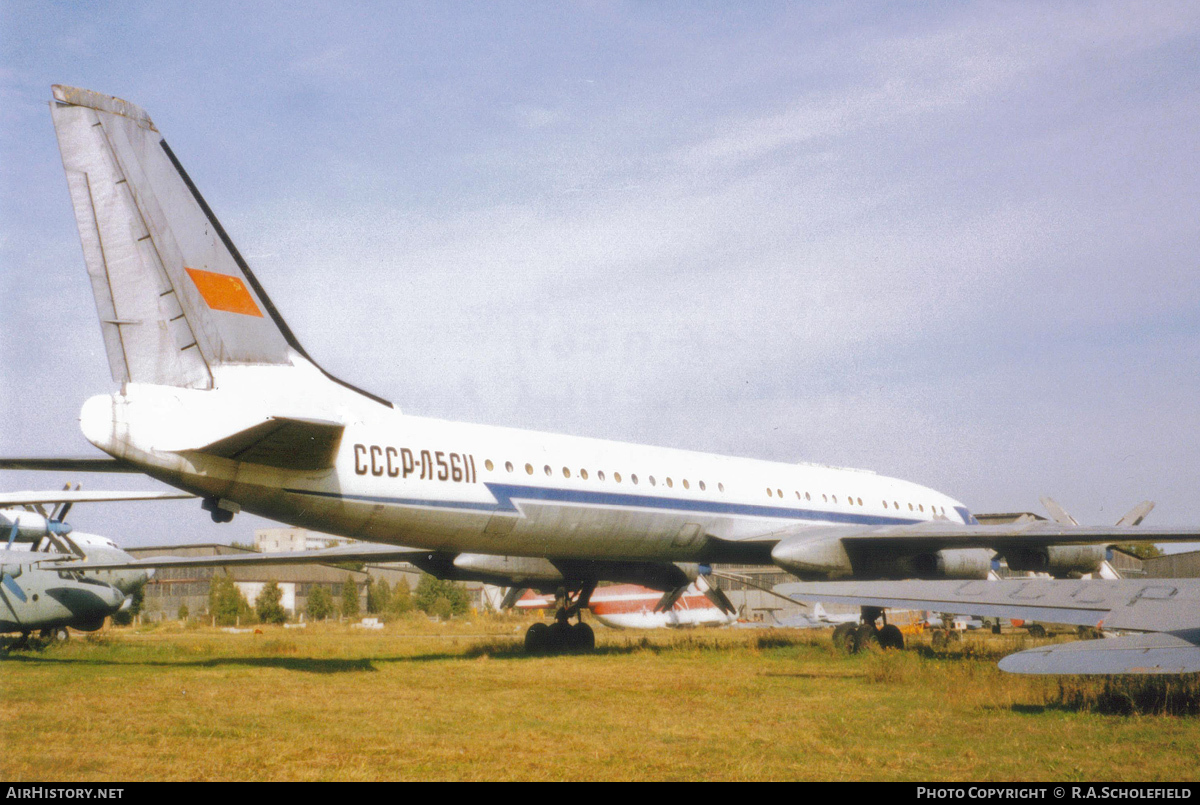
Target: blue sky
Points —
{"points": [[955, 244]]}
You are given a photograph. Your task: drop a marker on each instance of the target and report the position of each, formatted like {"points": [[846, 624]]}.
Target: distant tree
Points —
{"points": [[268, 606], [226, 602], [349, 597], [183, 612], [379, 596], [1142, 550], [126, 616], [320, 603], [243, 546], [430, 589], [402, 601]]}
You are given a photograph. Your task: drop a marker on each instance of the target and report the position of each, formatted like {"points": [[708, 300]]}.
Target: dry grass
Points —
{"points": [[462, 701]]}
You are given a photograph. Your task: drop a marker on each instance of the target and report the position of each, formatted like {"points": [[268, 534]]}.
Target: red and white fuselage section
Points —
{"points": [[629, 606]]}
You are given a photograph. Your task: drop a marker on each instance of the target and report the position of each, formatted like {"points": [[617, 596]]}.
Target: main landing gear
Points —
{"points": [[853, 638], [562, 636]]}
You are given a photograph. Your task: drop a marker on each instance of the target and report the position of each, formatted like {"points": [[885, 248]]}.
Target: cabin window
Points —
{"points": [[921, 506], [670, 484], [702, 486], [769, 492], [633, 479], [583, 475], [566, 473], [835, 498], [508, 466], [489, 465], [685, 484], [529, 469], [617, 477], [720, 486], [860, 502], [652, 481]]}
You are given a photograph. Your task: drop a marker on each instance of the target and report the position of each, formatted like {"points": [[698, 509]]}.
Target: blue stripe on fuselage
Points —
{"points": [[506, 496]]}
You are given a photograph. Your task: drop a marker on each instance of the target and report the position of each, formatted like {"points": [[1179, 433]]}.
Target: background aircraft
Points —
{"points": [[42, 587], [631, 606]]}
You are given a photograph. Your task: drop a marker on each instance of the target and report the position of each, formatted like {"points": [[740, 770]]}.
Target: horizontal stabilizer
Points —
{"points": [[365, 552], [285, 442], [1176, 653], [76, 496], [68, 465]]}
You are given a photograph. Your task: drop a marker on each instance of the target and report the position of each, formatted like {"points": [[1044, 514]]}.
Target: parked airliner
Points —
{"points": [[217, 397]]}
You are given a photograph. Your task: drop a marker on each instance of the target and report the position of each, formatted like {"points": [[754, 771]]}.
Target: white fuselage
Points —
{"points": [[456, 487]]}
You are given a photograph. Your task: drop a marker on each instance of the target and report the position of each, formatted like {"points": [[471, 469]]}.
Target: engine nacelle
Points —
{"points": [[1057, 560], [958, 563], [813, 557]]}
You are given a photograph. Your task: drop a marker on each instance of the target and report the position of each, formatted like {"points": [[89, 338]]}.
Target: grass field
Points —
{"points": [[460, 701]]}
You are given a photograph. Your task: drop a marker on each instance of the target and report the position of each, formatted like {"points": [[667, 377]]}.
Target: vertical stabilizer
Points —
{"points": [[175, 298]]}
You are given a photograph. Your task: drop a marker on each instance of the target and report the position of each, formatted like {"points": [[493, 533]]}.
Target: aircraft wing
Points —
{"points": [[1169, 607], [77, 496], [939, 534], [346, 553]]}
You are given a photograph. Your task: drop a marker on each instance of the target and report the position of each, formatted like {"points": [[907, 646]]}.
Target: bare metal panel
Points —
{"points": [[143, 226]]}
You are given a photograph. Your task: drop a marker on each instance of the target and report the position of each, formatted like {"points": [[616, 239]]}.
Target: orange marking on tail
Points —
{"points": [[224, 292]]}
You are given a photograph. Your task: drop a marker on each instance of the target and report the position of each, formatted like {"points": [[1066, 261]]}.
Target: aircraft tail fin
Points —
{"points": [[175, 297]]}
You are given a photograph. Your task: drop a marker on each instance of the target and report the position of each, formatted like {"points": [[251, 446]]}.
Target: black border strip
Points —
{"points": [[258, 289]]}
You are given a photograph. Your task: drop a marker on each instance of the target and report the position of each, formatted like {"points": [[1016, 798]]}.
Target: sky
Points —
{"points": [[954, 243]]}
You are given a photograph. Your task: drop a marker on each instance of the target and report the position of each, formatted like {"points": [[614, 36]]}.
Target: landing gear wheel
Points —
{"points": [[582, 637], [537, 638], [843, 637], [890, 637], [865, 638], [559, 636]]}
